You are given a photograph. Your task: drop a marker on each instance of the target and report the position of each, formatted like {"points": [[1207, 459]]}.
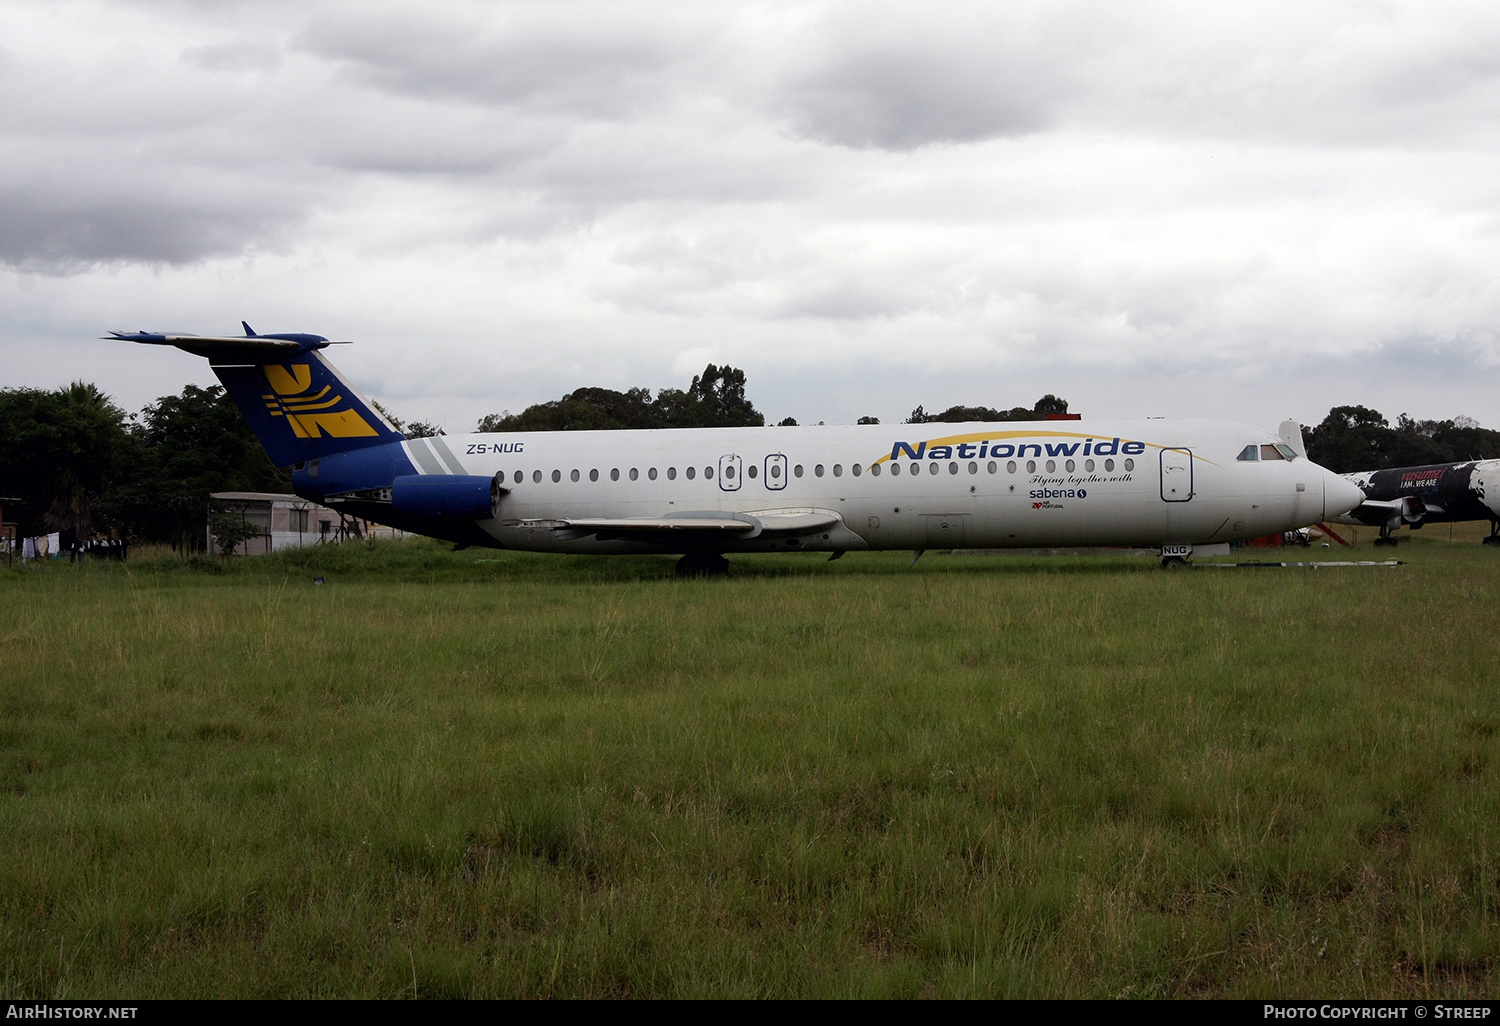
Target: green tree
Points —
{"points": [[186, 447], [63, 450], [968, 414], [1351, 438], [716, 398]]}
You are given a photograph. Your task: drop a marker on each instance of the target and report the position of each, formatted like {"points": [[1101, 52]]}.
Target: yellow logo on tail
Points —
{"points": [[311, 416]]}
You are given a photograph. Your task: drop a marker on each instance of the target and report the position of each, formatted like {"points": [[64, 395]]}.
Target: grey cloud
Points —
{"points": [[594, 59], [897, 77], [63, 233], [236, 56]]}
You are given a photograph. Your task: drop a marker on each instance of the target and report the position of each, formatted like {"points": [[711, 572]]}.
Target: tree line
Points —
{"points": [[74, 462]]}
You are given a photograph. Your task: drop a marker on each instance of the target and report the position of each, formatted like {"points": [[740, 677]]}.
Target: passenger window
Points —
{"points": [[875, 468], [556, 476], [895, 469], [574, 476], [691, 472], [953, 468], [1270, 452], [536, 476], [520, 476], [838, 470], [1249, 454], [671, 473], [614, 475], [1286, 450], [634, 474], [858, 469], [729, 471], [752, 471], [708, 473], [973, 468], [932, 468], [1031, 466], [1068, 466], [651, 473], [1129, 464], [593, 475], [818, 470], [797, 470], [776, 471], [1010, 466], [1109, 465], [1051, 466], [1088, 466]]}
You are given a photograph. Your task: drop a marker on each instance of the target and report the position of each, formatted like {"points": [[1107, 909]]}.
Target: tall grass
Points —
{"points": [[456, 774]]}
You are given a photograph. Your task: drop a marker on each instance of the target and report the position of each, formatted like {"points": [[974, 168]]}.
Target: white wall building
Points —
{"points": [[289, 521]]}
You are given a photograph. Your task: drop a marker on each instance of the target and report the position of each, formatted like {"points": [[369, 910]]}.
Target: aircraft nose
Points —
{"points": [[1339, 495]]}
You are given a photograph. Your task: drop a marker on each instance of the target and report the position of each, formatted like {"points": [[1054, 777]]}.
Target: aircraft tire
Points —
{"points": [[1173, 563]]}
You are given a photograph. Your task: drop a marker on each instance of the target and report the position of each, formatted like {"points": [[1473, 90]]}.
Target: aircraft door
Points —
{"points": [[729, 473], [776, 472], [1176, 475]]}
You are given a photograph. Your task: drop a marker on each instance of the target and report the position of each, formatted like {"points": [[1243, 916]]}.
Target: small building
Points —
{"points": [[288, 521]]}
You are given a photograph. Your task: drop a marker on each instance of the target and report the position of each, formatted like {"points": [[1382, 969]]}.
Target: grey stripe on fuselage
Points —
{"points": [[446, 455], [423, 455]]}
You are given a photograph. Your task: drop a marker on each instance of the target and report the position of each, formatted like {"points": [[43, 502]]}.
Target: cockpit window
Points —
{"points": [[1271, 452], [1287, 451], [1249, 454]]}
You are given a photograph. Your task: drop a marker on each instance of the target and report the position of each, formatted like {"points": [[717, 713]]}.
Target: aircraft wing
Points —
{"points": [[1375, 512], [705, 524]]}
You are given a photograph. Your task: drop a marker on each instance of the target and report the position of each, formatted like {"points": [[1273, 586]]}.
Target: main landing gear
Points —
{"points": [[702, 564], [1385, 536], [1173, 563]]}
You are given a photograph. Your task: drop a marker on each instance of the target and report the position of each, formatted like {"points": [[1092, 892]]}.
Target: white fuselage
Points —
{"points": [[977, 485]]}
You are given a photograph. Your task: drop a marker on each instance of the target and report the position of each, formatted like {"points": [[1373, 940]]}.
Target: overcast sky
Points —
{"points": [[1251, 210]]}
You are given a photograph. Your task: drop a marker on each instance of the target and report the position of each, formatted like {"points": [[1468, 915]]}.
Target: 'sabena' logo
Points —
{"points": [[311, 416]]}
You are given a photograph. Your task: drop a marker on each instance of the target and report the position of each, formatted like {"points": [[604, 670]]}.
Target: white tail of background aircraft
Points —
{"points": [[1178, 486]]}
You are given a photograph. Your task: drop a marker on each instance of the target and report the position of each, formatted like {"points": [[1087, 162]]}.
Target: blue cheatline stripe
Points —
{"points": [[446, 455]]}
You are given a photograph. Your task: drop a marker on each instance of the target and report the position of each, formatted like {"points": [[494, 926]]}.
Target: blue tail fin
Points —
{"points": [[297, 404], [304, 409]]}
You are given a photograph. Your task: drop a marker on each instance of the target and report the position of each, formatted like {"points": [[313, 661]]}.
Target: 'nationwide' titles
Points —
{"points": [[1004, 450]]}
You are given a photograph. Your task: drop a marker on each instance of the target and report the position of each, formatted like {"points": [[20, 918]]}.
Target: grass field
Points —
{"points": [[490, 774]]}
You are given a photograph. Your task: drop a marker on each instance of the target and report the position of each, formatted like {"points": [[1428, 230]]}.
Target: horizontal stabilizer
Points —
{"points": [[229, 349]]}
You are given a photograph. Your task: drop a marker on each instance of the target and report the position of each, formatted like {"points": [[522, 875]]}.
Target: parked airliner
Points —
{"points": [[1183, 487], [1437, 493]]}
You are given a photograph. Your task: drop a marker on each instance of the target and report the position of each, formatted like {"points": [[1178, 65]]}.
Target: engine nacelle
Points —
{"points": [[459, 496]]}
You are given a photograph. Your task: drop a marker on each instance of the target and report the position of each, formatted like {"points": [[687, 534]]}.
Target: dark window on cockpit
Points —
{"points": [[1249, 454], [1270, 452], [1286, 450]]}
